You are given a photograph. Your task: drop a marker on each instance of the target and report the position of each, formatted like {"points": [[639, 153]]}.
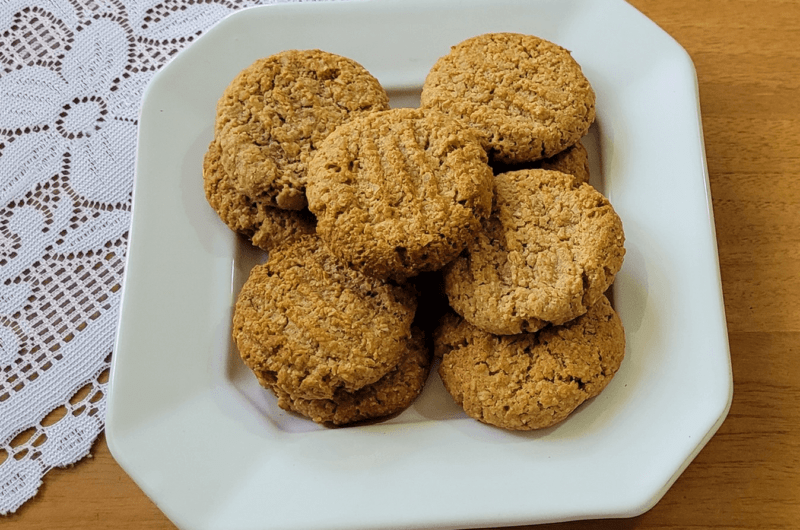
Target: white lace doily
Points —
{"points": [[72, 73]]}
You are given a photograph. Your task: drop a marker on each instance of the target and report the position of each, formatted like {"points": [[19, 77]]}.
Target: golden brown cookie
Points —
{"points": [[264, 226], [391, 394], [311, 326], [277, 111], [532, 380], [527, 96], [400, 191], [573, 160], [547, 253]]}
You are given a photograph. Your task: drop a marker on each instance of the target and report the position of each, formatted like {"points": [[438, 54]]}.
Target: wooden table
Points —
{"points": [[747, 55]]}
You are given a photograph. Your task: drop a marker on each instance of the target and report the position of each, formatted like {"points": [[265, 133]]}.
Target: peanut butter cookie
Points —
{"points": [[264, 226], [311, 326], [391, 394], [527, 96], [277, 111], [573, 161], [400, 191], [547, 253], [533, 380]]}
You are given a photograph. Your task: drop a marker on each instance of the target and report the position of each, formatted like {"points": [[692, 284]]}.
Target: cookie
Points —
{"points": [[400, 191], [277, 111], [573, 161], [264, 226], [533, 380], [547, 253], [526, 96], [311, 326], [391, 394]]}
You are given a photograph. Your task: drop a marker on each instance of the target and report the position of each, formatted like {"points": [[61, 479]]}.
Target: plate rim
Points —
{"points": [[633, 507]]}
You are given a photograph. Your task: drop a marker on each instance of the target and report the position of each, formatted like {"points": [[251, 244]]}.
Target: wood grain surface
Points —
{"points": [[747, 55]]}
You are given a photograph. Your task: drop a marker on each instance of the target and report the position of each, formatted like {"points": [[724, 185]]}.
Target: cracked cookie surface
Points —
{"points": [[547, 253], [527, 96], [311, 326], [400, 191], [533, 380], [276, 112], [391, 394], [264, 226]]}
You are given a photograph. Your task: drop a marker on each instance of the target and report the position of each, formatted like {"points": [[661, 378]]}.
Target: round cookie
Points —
{"points": [[400, 191], [391, 394], [533, 380], [547, 253], [311, 326], [276, 112], [526, 96], [264, 226]]}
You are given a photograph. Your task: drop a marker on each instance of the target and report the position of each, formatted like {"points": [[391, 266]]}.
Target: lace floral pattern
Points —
{"points": [[72, 73]]}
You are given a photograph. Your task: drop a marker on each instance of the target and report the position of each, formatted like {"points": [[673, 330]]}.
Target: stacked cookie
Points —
{"points": [[480, 196], [333, 344], [269, 121]]}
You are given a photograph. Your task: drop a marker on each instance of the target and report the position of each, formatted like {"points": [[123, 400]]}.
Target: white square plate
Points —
{"points": [[191, 426]]}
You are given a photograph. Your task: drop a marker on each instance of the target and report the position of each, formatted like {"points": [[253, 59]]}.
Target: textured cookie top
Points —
{"points": [[400, 191], [265, 226], [311, 326], [547, 253], [391, 394], [533, 380], [277, 111], [527, 96]]}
